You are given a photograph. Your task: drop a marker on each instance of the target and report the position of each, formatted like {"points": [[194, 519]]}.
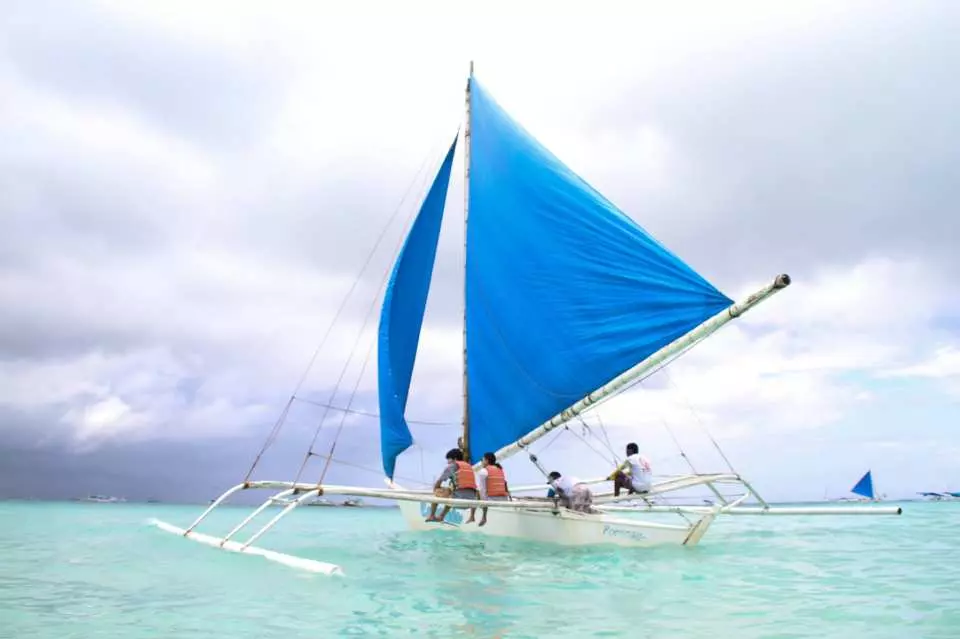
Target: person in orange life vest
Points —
{"points": [[492, 484], [463, 483]]}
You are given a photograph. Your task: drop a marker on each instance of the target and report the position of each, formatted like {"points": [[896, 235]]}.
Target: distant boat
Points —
{"points": [[353, 503], [316, 501], [863, 490], [944, 496], [104, 499]]}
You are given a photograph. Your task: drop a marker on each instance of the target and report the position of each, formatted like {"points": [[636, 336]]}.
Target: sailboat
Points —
{"points": [[944, 496], [863, 489], [567, 302]]}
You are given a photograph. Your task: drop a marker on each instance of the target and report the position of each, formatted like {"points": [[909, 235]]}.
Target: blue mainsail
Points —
{"points": [[401, 317], [563, 291], [864, 487]]}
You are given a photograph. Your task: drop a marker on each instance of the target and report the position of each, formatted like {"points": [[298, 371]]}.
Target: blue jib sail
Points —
{"points": [[401, 317], [864, 487], [563, 291]]}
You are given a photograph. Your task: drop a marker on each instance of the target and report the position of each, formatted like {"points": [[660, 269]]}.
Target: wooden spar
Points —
{"points": [[648, 365], [815, 510], [667, 485], [403, 495], [399, 494], [772, 511]]}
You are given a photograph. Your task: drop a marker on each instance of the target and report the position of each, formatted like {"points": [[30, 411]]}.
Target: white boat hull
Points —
{"points": [[565, 528]]}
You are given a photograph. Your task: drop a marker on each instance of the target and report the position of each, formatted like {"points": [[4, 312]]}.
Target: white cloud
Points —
{"points": [[786, 365], [943, 365], [118, 337], [945, 362], [105, 417], [143, 394]]}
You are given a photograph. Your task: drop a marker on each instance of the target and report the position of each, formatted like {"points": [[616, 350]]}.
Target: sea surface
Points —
{"points": [[102, 570]]}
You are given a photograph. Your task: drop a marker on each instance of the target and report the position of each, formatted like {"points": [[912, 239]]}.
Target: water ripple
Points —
{"points": [[97, 571]]}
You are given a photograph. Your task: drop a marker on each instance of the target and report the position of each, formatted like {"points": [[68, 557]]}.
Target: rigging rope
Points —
{"points": [[278, 425], [588, 429], [636, 381], [676, 441], [343, 416], [423, 472], [354, 411], [555, 438], [353, 350], [271, 437], [703, 426], [590, 446], [603, 429], [375, 471], [533, 457]]}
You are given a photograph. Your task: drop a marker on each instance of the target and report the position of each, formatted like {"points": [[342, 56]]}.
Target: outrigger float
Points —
{"points": [[567, 302]]}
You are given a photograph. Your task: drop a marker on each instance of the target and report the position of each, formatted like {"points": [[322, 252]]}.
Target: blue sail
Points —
{"points": [[401, 317], [864, 487], [563, 291]]}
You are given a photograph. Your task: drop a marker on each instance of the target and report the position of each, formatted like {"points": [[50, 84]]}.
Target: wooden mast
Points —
{"points": [[464, 442]]}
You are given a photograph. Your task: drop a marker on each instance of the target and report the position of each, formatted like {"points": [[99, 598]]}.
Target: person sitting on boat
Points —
{"points": [[463, 483], [572, 493], [639, 478], [492, 484]]}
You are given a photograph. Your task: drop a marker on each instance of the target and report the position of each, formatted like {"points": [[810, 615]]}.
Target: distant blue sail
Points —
{"points": [[563, 291], [401, 317], [864, 487]]}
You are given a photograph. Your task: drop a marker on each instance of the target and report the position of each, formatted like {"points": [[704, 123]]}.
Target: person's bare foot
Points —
{"points": [[469, 521]]}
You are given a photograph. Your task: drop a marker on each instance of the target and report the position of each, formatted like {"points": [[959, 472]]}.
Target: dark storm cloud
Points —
{"points": [[198, 470]]}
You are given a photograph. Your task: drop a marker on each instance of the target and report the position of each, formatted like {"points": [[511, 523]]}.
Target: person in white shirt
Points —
{"points": [[640, 474], [573, 493]]}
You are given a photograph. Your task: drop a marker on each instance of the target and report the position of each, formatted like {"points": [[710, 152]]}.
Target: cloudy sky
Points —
{"points": [[188, 191]]}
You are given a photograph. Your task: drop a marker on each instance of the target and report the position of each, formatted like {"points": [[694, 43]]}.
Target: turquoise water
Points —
{"points": [[100, 570]]}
